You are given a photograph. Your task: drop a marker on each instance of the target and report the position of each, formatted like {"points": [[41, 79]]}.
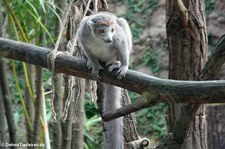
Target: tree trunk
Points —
{"points": [[79, 84], [38, 103], [73, 113], [2, 121], [57, 78], [216, 125], [188, 52], [68, 107], [129, 121], [29, 102], [79, 121], [6, 108]]}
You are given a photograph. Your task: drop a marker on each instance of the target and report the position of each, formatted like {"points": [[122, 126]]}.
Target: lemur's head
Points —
{"points": [[103, 27]]}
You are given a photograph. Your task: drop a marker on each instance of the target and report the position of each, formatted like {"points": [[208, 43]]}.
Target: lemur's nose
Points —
{"points": [[108, 40]]}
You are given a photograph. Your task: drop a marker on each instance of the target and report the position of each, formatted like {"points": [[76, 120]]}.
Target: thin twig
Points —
{"points": [[95, 6], [87, 7]]}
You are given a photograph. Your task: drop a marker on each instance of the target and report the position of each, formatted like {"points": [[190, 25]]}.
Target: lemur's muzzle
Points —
{"points": [[108, 40]]}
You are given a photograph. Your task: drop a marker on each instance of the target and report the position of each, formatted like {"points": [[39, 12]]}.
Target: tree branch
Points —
{"points": [[164, 90], [182, 10], [210, 71]]}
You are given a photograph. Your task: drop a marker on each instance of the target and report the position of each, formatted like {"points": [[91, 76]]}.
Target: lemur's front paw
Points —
{"points": [[122, 72], [117, 65], [95, 70], [95, 73], [89, 64]]}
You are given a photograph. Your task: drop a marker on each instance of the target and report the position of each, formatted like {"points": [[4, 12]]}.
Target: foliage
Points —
{"points": [[209, 6], [93, 133], [152, 121], [138, 14], [25, 23], [28, 15], [151, 59], [92, 126]]}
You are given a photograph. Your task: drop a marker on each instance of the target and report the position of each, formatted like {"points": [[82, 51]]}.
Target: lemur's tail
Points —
{"points": [[113, 138]]}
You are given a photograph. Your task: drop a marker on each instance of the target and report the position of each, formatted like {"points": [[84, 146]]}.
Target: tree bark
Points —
{"points": [[2, 122], [7, 102], [187, 41], [76, 86], [57, 104], [216, 124], [38, 103], [57, 79], [29, 102], [77, 127], [68, 121], [7, 107], [130, 131]]}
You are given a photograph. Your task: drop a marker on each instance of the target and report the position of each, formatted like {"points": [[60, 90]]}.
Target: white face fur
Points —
{"points": [[103, 28], [105, 32]]}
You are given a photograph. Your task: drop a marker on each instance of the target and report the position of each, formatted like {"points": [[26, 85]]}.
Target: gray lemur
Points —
{"points": [[106, 38]]}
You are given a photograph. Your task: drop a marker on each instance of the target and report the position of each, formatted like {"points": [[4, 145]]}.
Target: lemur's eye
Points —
{"points": [[101, 31], [112, 30]]}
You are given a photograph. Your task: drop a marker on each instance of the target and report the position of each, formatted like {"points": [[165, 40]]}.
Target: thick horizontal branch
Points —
{"points": [[166, 90]]}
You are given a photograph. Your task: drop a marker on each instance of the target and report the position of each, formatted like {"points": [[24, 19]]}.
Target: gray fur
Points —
{"points": [[113, 48], [96, 47]]}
